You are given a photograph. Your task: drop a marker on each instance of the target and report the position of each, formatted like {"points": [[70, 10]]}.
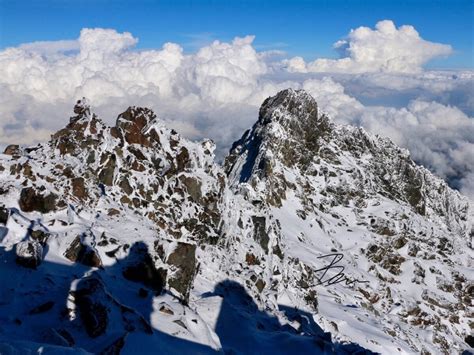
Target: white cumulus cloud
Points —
{"points": [[383, 49]]}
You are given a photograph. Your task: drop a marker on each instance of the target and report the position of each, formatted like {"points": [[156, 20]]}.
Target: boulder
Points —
{"points": [[82, 108], [57, 337], [31, 200], [29, 254], [43, 307], [106, 175], [97, 307], [399, 242], [260, 284], [470, 340], [12, 149], [66, 336], [81, 253], [125, 186], [116, 347], [251, 259], [183, 160], [78, 188], [137, 153], [39, 236]]}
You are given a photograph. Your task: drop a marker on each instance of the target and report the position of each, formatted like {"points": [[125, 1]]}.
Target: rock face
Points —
{"points": [[294, 112], [330, 219], [183, 260]]}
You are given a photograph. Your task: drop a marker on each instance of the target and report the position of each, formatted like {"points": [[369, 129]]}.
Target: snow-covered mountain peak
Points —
{"points": [[286, 133], [289, 105], [333, 189]]}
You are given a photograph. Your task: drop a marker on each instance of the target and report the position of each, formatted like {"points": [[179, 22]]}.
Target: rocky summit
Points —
{"points": [[310, 238]]}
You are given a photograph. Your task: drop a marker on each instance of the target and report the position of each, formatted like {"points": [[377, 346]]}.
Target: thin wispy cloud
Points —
{"points": [[51, 47], [194, 41]]}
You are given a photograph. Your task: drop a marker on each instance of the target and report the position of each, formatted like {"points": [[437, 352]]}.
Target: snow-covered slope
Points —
{"points": [[312, 238], [337, 195]]}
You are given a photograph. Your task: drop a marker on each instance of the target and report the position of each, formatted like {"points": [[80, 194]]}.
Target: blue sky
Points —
{"points": [[304, 28]]}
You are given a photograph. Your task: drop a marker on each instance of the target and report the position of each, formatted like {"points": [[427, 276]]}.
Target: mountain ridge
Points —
{"points": [[294, 191]]}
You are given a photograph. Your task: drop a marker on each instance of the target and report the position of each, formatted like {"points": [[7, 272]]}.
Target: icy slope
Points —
{"points": [[132, 239]]}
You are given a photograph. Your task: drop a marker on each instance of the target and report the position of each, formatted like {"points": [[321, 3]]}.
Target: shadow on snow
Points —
{"points": [[114, 315]]}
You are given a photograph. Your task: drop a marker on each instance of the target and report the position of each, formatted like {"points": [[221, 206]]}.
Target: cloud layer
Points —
{"points": [[216, 91]]}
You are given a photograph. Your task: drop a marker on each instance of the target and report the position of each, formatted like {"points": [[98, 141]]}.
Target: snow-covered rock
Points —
{"points": [[29, 254]]}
